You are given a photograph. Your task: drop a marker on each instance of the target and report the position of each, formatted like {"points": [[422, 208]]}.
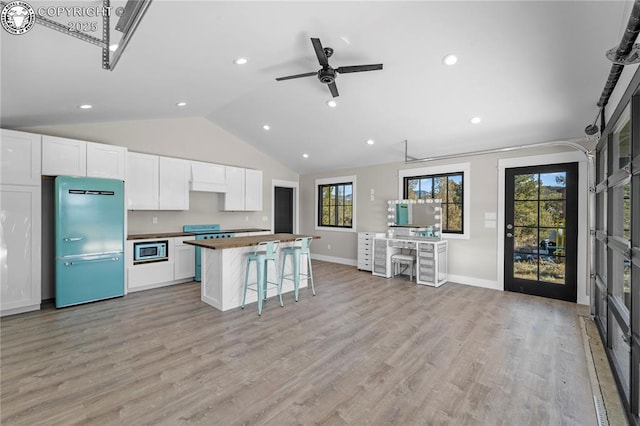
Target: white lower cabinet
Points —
{"points": [[20, 264], [185, 259], [179, 268]]}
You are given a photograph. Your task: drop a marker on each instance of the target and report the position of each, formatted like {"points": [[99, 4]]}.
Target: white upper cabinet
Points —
{"points": [[20, 158], [157, 183], [233, 199], [174, 184], [208, 177], [61, 156], [244, 190], [253, 190], [142, 181], [106, 161]]}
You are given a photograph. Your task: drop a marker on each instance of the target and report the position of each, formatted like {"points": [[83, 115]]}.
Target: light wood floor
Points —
{"points": [[365, 350]]}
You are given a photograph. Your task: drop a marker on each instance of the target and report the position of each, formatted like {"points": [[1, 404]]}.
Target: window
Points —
{"points": [[448, 187], [451, 184], [335, 203]]}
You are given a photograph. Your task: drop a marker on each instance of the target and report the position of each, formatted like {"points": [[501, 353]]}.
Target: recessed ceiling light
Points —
{"points": [[331, 103], [241, 61], [266, 127], [370, 141], [476, 120], [113, 47], [450, 60], [85, 106], [305, 155], [181, 104]]}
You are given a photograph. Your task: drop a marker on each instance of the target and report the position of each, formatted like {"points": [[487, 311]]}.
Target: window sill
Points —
{"points": [[329, 228]]}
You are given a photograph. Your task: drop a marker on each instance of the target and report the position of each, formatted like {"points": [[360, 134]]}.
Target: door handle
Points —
{"points": [[71, 239], [509, 235]]}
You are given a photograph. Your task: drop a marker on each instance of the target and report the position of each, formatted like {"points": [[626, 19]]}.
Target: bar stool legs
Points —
{"points": [[264, 252], [299, 248]]}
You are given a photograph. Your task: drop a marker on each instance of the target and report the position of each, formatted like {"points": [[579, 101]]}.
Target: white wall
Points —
{"points": [[190, 138], [471, 261]]}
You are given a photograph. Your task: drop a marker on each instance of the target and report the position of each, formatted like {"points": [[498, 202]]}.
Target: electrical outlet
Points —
{"points": [[154, 220], [328, 246], [246, 218], [265, 218]]}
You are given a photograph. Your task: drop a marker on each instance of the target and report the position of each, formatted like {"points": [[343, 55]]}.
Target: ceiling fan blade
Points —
{"points": [[359, 68], [334, 89], [307, 74], [322, 57]]}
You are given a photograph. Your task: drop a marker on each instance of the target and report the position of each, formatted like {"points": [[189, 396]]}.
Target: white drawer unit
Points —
{"points": [[432, 263], [365, 249], [381, 261]]}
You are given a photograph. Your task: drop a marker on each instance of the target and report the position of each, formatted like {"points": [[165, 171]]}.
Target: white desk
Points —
{"points": [[431, 258]]}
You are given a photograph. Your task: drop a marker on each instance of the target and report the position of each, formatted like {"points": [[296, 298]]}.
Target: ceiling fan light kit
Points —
{"points": [[327, 74]]}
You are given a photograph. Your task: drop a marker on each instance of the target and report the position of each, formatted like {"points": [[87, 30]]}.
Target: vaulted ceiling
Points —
{"points": [[533, 71]]}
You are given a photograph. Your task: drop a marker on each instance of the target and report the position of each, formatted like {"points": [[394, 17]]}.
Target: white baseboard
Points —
{"points": [[475, 282], [333, 259]]}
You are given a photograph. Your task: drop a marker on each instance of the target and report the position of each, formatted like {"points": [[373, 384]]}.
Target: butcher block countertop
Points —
{"points": [[158, 235], [236, 242]]}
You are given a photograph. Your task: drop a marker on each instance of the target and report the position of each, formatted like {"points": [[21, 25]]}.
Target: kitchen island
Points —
{"points": [[223, 269]]}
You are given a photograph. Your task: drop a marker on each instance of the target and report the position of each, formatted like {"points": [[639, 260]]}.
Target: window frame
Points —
{"points": [[449, 169], [340, 180], [405, 194]]}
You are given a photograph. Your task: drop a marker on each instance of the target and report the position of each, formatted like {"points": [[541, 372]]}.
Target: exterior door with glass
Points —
{"points": [[541, 232]]}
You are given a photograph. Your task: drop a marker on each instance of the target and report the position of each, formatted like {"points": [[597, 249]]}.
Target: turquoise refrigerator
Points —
{"points": [[89, 239]]}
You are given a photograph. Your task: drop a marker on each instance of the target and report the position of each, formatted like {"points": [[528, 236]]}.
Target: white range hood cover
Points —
{"points": [[207, 177]]}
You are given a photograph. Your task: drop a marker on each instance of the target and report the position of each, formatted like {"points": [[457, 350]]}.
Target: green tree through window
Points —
{"points": [[335, 205], [449, 188]]}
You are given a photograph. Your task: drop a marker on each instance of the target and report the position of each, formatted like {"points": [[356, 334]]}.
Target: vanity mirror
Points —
{"points": [[424, 217]]}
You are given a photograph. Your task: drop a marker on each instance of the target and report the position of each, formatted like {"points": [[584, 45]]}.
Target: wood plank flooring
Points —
{"points": [[365, 350]]}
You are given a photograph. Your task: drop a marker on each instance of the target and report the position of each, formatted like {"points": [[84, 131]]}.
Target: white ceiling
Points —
{"points": [[532, 70]]}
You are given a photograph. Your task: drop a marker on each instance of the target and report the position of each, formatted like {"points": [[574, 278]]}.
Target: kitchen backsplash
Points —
{"points": [[203, 208]]}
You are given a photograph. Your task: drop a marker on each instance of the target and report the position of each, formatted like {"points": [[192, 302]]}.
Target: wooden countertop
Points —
{"points": [[158, 235], [187, 234], [236, 242]]}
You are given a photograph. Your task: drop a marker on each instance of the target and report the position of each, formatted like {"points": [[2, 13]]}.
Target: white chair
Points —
{"points": [[406, 260]]}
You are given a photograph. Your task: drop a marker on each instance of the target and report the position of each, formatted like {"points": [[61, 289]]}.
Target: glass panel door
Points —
{"points": [[541, 230]]}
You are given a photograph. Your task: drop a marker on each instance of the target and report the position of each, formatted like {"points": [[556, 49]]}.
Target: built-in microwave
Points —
{"points": [[150, 251]]}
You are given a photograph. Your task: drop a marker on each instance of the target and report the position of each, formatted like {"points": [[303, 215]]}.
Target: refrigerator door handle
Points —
{"points": [[109, 259], [71, 239]]}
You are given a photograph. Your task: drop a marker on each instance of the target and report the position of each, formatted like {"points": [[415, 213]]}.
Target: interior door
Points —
{"points": [[541, 230], [283, 210]]}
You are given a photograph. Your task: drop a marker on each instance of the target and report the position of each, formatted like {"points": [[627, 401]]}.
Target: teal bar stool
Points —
{"points": [[264, 252], [300, 248]]}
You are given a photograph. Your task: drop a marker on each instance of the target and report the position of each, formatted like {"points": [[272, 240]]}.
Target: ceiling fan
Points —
{"points": [[326, 74]]}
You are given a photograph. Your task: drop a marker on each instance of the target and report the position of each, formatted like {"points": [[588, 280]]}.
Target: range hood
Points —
{"points": [[208, 177]]}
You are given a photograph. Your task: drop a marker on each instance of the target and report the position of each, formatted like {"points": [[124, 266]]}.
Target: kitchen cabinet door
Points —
{"points": [[234, 198], [253, 190], [106, 161], [174, 184], [20, 229], [62, 156], [20, 158], [142, 181], [185, 259]]}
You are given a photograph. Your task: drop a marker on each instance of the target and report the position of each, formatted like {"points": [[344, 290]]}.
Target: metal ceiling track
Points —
{"points": [[133, 12]]}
